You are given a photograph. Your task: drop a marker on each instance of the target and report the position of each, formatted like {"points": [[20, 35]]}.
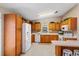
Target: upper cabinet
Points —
{"points": [[57, 26], [71, 22], [54, 26], [36, 27]]}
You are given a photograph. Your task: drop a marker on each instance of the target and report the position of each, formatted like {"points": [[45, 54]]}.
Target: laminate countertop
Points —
{"points": [[66, 43], [46, 33]]}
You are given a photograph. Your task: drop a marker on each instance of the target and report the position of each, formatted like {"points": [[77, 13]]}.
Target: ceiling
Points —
{"points": [[35, 11]]}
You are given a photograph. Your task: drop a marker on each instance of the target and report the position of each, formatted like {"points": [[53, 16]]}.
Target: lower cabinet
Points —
{"points": [[33, 38], [48, 38], [45, 38], [59, 50]]}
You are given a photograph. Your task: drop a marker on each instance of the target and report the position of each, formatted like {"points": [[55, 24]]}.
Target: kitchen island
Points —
{"points": [[60, 45]]}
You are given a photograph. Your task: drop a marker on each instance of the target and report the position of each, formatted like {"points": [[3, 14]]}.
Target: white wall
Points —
{"points": [[0, 35], [74, 13]]}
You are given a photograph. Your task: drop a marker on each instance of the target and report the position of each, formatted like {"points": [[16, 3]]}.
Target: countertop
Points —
{"points": [[39, 33], [46, 33], [66, 43]]}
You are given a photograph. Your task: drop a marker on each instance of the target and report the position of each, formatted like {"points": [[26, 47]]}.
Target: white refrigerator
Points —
{"points": [[26, 37]]}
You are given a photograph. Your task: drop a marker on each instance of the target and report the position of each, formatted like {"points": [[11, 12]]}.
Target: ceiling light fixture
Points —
{"points": [[56, 12], [47, 14]]}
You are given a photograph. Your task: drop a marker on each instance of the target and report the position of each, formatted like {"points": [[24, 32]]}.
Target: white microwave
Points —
{"points": [[64, 28]]}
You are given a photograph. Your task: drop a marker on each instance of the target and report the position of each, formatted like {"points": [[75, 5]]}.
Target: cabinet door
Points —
{"points": [[69, 24], [33, 26], [63, 23], [44, 39], [52, 26], [19, 36], [33, 38], [53, 37], [66, 22], [48, 38], [57, 26], [37, 26], [74, 24], [9, 34]]}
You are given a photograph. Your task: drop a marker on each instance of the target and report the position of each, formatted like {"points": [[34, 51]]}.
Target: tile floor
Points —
{"points": [[41, 49]]}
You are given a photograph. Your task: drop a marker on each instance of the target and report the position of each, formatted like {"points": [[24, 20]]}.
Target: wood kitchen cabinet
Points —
{"points": [[57, 26], [19, 35], [53, 37], [36, 27], [12, 34], [45, 39], [65, 22], [33, 27], [33, 38], [59, 49], [71, 22], [48, 38], [54, 26]]}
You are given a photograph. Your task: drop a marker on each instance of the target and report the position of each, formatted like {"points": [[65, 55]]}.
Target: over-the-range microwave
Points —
{"points": [[64, 27]]}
